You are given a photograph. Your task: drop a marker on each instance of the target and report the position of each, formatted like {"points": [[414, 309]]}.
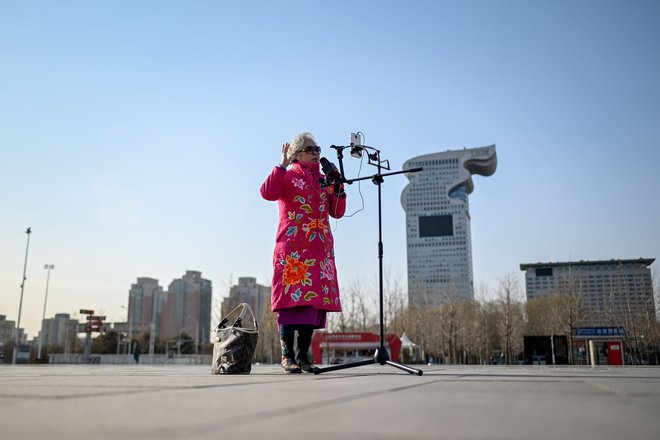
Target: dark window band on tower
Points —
{"points": [[436, 226]]}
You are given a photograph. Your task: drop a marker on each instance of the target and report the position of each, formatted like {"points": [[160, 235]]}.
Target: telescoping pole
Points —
{"points": [[20, 304]]}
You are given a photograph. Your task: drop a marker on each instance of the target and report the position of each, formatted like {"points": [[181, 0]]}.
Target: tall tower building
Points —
{"points": [[144, 306], [438, 223], [187, 308]]}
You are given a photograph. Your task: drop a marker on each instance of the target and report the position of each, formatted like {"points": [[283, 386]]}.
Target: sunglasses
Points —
{"points": [[311, 149]]}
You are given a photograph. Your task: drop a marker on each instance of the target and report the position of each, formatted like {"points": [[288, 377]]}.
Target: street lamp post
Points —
{"points": [[130, 325], [48, 267], [20, 304], [152, 326]]}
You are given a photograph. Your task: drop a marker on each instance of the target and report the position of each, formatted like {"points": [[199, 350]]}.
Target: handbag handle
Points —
{"points": [[238, 322]]}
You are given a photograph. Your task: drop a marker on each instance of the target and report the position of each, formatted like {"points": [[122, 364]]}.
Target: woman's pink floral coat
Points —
{"points": [[304, 261]]}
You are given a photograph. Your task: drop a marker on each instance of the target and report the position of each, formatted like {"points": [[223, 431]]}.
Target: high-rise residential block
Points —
{"points": [[145, 299], [248, 291], [187, 308], [60, 332], [7, 330]]}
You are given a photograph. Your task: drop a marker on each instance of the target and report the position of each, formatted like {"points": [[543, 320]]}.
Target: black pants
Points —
{"points": [[287, 337]]}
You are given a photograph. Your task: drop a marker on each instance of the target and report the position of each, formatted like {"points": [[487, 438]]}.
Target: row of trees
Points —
{"points": [[456, 332], [473, 331]]}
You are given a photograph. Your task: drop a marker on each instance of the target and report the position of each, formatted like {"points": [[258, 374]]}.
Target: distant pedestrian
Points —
{"points": [[136, 353], [304, 283]]}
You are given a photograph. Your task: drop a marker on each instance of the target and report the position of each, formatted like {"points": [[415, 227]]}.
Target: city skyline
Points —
{"points": [[186, 302], [134, 138]]}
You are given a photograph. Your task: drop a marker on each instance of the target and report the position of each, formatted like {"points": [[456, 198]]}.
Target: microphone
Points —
{"points": [[330, 170]]}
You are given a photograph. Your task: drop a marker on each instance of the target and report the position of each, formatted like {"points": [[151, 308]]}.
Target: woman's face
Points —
{"points": [[310, 152]]}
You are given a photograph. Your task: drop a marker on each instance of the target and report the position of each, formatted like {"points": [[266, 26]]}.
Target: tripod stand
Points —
{"points": [[382, 355]]}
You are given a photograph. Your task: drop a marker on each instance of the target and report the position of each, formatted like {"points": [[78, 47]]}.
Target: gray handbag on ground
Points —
{"points": [[235, 342]]}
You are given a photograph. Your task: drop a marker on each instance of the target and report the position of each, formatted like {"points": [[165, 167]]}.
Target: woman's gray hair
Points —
{"points": [[296, 145]]}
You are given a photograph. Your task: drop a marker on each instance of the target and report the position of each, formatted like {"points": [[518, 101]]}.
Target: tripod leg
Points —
{"points": [[405, 368], [344, 366]]}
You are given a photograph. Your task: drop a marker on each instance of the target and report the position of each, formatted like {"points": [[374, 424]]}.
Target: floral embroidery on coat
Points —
{"points": [[295, 271]]}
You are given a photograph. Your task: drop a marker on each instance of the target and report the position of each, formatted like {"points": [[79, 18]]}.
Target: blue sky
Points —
{"points": [[134, 136]]}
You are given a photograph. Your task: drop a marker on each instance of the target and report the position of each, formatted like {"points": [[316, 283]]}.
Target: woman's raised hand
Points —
{"points": [[285, 158]]}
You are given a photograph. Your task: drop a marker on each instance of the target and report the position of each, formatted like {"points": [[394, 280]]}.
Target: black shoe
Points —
{"points": [[306, 366], [289, 366]]}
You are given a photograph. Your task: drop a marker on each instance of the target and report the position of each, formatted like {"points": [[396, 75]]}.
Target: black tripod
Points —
{"points": [[382, 355]]}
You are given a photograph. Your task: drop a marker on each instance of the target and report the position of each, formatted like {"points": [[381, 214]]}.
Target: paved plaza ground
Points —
{"points": [[369, 402]]}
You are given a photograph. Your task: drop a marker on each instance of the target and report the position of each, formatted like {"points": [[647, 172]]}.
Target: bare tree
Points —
{"points": [[268, 344], [655, 281], [358, 309], [471, 335], [653, 316], [650, 327], [344, 322], [480, 334], [394, 304], [216, 308], [511, 316], [491, 320], [420, 323], [541, 318], [451, 323], [640, 315], [429, 326]]}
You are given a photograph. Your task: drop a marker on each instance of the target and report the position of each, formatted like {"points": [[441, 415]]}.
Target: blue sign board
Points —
{"points": [[600, 331]]}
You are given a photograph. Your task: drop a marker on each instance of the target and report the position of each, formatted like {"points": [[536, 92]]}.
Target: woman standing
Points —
{"points": [[304, 284]]}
